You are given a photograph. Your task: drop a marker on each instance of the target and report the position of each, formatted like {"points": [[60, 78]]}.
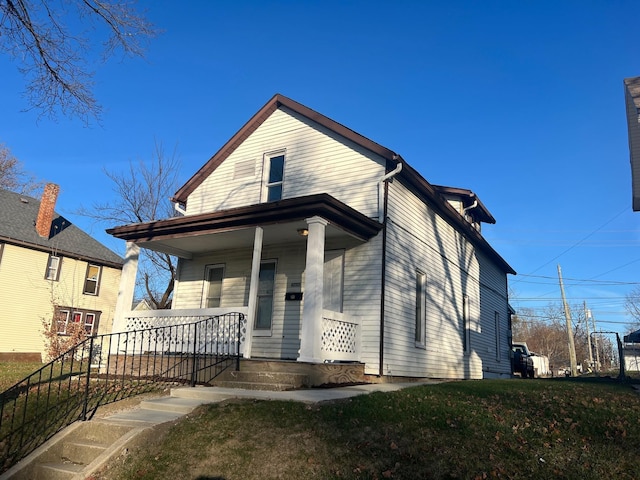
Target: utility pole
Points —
{"points": [[595, 340], [587, 314], [567, 316]]}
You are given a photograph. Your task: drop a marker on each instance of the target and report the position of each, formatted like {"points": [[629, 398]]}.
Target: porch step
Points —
{"points": [[262, 380]]}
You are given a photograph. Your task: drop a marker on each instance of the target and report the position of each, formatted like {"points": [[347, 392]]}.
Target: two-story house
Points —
{"points": [[51, 272], [336, 249]]}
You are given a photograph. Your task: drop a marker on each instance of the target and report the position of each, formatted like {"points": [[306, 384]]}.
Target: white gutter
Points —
{"points": [[179, 209], [383, 179]]}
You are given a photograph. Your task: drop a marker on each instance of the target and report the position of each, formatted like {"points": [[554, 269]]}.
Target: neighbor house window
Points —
{"points": [[332, 278], [274, 166], [92, 281], [496, 322], [466, 341], [266, 284], [53, 268], [87, 319], [421, 309], [213, 285]]}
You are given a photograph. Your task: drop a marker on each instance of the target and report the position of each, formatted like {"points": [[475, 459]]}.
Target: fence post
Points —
{"points": [[86, 386], [195, 347], [239, 337]]}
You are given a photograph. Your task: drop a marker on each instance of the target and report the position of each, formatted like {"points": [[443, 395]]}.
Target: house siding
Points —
{"points": [[28, 298], [419, 239], [317, 161]]}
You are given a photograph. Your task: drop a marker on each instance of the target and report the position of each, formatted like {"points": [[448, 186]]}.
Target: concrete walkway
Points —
{"points": [[105, 437]]}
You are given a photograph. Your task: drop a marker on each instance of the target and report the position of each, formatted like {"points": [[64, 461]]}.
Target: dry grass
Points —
{"points": [[534, 429]]}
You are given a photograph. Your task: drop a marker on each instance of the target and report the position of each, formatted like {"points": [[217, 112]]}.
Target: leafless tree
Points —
{"points": [[142, 195], [13, 176], [632, 305], [52, 41]]}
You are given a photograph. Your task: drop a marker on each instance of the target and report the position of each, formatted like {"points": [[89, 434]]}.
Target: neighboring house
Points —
{"points": [[50, 269], [336, 249], [631, 351], [632, 101]]}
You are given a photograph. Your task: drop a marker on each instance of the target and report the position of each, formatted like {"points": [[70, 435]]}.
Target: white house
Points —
{"points": [[336, 249]]}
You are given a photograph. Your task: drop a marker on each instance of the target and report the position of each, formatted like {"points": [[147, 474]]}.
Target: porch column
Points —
{"points": [[311, 328], [253, 290], [127, 288]]}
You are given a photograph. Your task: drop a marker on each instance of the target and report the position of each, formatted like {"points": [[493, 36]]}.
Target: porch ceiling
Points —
{"points": [[234, 228]]}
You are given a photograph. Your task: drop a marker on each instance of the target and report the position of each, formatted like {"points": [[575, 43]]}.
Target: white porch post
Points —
{"points": [[127, 286], [253, 290], [311, 328]]}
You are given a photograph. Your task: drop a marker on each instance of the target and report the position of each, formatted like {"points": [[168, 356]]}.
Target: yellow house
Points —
{"points": [[50, 272]]}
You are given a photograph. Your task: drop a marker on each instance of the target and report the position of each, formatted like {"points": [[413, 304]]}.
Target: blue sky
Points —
{"points": [[520, 101]]}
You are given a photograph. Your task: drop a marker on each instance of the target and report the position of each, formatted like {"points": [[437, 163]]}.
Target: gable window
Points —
{"points": [[53, 268], [421, 310], [92, 280], [274, 176], [213, 276], [333, 284], [466, 330], [266, 284]]}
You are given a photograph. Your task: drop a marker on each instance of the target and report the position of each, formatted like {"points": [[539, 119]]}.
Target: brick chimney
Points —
{"points": [[47, 207]]}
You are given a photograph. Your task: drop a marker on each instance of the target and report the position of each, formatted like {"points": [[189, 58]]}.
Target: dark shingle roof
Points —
{"points": [[18, 215]]}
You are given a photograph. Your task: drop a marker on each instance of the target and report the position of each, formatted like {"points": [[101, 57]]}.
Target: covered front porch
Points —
{"points": [[268, 263]]}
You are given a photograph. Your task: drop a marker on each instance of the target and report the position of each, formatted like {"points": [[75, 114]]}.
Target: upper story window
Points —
{"points": [[274, 176], [53, 268], [92, 281]]}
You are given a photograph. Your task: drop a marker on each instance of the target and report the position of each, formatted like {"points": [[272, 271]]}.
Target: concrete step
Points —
{"points": [[279, 380], [57, 471], [82, 452], [171, 404]]}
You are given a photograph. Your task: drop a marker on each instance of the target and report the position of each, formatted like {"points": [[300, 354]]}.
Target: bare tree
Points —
{"points": [[13, 176], [632, 305], [49, 41], [142, 195]]}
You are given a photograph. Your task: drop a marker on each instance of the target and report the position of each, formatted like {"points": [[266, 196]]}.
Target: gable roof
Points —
{"points": [[17, 226], [408, 175]]}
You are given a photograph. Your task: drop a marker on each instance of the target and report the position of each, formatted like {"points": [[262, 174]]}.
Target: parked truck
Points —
{"points": [[522, 360]]}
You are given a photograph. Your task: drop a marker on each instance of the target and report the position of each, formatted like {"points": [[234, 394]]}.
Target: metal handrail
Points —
{"points": [[107, 368]]}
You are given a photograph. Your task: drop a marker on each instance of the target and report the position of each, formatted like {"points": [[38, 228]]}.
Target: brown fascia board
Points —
{"points": [[429, 193], [61, 253], [292, 209], [633, 88], [276, 102], [486, 216]]}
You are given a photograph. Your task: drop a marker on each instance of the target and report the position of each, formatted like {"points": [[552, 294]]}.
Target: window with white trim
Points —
{"points": [[466, 328], [496, 322], [266, 285], [274, 176], [53, 268], [65, 316], [92, 280], [213, 275], [333, 280], [421, 309]]}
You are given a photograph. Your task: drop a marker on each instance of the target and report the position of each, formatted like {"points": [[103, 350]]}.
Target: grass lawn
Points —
{"points": [[515, 429], [12, 372]]}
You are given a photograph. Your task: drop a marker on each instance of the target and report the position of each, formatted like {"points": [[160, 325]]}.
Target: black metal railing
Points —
{"points": [[107, 368]]}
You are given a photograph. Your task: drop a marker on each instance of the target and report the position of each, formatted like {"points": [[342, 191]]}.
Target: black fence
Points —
{"points": [[108, 368]]}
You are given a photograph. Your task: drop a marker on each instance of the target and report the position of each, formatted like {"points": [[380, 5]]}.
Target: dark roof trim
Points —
{"points": [[61, 253], [483, 213], [276, 102], [287, 210], [429, 193]]}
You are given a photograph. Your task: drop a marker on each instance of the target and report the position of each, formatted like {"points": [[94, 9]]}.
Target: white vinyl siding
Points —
{"points": [[317, 161]]}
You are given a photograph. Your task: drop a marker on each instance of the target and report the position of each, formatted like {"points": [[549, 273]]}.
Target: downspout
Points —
{"points": [[178, 208], [383, 189]]}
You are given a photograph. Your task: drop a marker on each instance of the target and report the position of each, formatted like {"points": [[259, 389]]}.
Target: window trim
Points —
{"points": [[420, 323], [266, 331], [56, 276], [267, 185], [97, 280], [466, 325], [70, 313], [207, 284]]}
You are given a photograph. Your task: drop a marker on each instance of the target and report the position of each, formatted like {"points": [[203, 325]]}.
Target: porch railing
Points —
{"points": [[340, 337], [107, 368]]}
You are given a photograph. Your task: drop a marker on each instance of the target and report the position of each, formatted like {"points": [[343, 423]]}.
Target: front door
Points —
{"points": [[264, 315]]}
